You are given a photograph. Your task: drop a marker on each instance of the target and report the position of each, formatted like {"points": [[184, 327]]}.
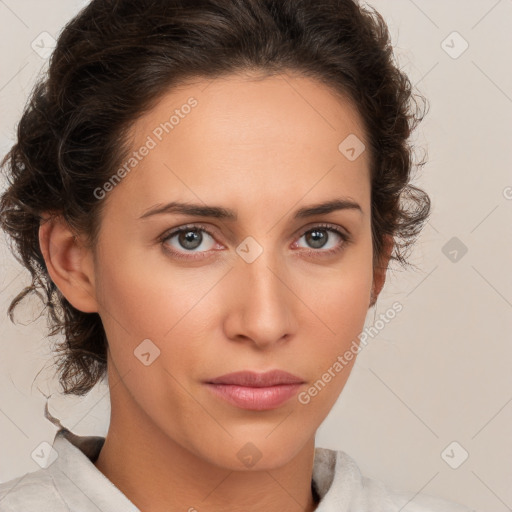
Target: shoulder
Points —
{"points": [[378, 496], [406, 501], [341, 483], [27, 493]]}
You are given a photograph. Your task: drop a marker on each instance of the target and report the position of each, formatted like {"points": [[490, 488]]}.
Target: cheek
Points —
{"points": [[142, 293], [340, 303], [141, 302], [155, 301], [341, 297], [332, 355]]}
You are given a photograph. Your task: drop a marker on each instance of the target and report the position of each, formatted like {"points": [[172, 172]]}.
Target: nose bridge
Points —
{"points": [[265, 282], [264, 310]]}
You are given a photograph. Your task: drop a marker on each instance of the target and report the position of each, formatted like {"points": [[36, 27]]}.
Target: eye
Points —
{"points": [[195, 241], [188, 239], [325, 237]]}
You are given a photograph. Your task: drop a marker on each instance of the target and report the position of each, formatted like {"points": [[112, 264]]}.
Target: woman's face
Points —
{"points": [[263, 289]]}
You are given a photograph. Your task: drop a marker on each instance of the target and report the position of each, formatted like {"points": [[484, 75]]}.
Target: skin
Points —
{"points": [[263, 147]]}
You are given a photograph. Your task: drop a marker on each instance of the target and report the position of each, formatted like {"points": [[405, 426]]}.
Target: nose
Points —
{"points": [[262, 305]]}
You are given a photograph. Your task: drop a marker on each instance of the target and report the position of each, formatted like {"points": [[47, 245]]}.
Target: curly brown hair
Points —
{"points": [[116, 58]]}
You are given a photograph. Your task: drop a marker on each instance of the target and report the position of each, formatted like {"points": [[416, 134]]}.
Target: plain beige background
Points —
{"points": [[434, 385]]}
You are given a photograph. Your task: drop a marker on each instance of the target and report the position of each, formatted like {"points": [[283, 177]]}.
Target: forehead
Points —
{"points": [[245, 137]]}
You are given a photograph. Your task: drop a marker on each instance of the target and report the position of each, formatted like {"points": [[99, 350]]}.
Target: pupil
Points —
{"points": [[318, 238], [190, 239]]}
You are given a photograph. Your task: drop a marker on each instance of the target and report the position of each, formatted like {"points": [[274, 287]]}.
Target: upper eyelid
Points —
{"points": [[322, 225]]}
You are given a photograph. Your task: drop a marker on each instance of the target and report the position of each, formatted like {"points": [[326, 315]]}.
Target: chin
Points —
{"points": [[257, 452]]}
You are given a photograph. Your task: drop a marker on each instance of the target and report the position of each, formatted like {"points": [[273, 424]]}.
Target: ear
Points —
{"points": [[379, 275], [69, 262]]}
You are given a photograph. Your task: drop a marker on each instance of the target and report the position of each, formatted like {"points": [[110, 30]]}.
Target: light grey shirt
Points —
{"points": [[71, 483]]}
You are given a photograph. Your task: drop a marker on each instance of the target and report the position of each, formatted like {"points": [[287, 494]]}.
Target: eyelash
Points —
{"points": [[198, 227]]}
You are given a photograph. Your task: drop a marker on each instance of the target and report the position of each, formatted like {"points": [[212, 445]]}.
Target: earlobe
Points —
{"points": [[69, 263], [379, 276]]}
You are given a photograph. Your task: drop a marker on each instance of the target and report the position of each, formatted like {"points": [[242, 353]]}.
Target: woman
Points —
{"points": [[209, 194]]}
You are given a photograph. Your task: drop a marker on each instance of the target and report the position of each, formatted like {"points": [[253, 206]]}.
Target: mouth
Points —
{"points": [[256, 391]]}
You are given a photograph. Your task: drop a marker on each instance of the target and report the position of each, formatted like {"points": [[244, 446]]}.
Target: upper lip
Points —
{"points": [[257, 380]]}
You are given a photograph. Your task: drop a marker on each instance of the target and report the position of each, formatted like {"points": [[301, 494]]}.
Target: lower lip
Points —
{"points": [[255, 399]]}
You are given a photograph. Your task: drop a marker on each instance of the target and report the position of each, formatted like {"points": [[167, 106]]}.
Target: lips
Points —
{"points": [[257, 380], [255, 391]]}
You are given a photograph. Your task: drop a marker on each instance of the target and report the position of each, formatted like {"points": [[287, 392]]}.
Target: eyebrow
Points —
{"points": [[218, 212]]}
